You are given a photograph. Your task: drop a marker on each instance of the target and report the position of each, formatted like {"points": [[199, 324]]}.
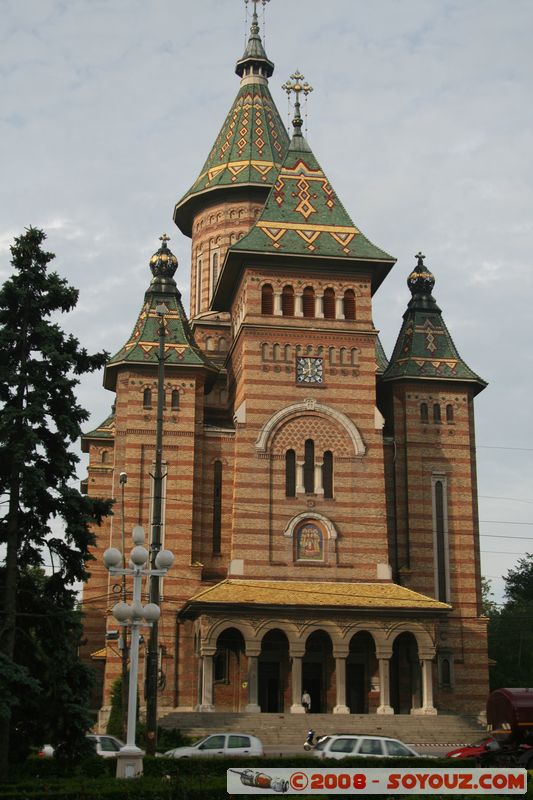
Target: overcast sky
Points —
{"points": [[421, 118]]}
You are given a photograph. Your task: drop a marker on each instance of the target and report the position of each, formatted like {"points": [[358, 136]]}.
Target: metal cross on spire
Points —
{"points": [[297, 86], [255, 24], [164, 238]]}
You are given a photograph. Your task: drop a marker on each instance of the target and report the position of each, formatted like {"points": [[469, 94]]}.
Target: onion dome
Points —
{"points": [[250, 146], [163, 262], [421, 280], [142, 346], [424, 348]]}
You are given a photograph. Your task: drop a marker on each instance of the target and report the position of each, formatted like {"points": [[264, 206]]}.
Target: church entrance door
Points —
{"points": [[313, 682], [269, 687], [356, 696]]}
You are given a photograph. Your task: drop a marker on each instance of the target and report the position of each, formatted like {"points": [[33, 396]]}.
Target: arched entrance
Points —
{"points": [[230, 671], [273, 672], [317, 671], [361, 665], [405, 675]]}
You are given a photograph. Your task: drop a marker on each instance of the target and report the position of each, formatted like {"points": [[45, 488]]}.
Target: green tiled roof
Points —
{"points": [[106, 430], [424, 348], [252, 142], [304, 216], [382, 362], [143, 344]]}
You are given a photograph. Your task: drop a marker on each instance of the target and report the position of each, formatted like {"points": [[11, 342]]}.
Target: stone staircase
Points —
{"points": [[290, 729]]}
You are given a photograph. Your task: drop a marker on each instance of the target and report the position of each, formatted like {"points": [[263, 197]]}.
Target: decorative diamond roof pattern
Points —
{"points": [[250, 147], [316, 594], [304, 216], [425, 348], [142, 346], [104, 431]]}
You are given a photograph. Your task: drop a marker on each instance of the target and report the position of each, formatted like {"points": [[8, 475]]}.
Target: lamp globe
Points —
{"points": [[138, 534], [112, 557], [139, 555], [164, 559], [122, 612], [151, 612]]}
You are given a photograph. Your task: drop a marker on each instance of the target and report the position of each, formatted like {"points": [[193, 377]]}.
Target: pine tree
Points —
{"points": [[40, 417]]}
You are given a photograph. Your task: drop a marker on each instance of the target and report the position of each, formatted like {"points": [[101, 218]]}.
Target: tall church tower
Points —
{"points": [[323, 518]]}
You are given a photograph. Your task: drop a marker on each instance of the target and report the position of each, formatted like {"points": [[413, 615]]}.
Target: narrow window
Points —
{"points": [[290, 473], [147, 398], [349, 304], [327, 474], [198, 284], [440, 542], [287, 301], [309, 466], [175, 400], [215, 271], [424, 416], [449, 413], [105, 457], [355, 356], [217, 505], [267, 299], [436, 412], [329, 304], [445, 672], [309, 302], [222, 345]]}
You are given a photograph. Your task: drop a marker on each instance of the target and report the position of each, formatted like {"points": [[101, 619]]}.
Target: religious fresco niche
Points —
{"points": [[309, 541]]}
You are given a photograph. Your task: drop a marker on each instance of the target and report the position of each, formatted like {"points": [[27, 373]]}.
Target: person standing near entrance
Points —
{"points": [[306, 701]]}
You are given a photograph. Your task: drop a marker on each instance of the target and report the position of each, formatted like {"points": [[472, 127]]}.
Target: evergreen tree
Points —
{"points": [[40, 367], [511, 630]]}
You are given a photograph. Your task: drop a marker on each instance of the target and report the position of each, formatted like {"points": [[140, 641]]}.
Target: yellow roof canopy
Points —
{"points": [[302, 593]]}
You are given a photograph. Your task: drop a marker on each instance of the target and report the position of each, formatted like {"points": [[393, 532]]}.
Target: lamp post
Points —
{"points": [[123, 641], [129, 761]]}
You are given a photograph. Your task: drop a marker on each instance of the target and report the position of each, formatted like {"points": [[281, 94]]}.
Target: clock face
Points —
{"points": [[309, 370]]}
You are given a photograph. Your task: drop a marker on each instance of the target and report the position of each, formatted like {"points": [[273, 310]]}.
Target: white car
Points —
{"points": [[104, 745], [346, 745], [220, 744]]}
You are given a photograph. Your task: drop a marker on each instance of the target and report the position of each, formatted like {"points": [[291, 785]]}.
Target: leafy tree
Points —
{"points": [[488, 604], [40, 367], [511, 630]]}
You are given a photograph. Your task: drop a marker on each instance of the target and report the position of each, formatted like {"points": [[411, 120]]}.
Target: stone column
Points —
{"points": [[339, 308], [319, 488], [277, 302], [428, 708], [296, 681], [300, 488], [207, 683], [384, 685], [340, 680], [319, 306], [298, 305], [253, 706]]}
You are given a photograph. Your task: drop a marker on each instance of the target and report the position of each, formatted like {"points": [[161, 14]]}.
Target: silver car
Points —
{"points": [[220, 744], [361, 745]]}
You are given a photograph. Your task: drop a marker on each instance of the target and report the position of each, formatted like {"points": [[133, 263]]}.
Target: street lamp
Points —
{"points": [[129, 761]]}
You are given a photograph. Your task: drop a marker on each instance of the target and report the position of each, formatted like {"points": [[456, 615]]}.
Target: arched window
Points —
{"points": [[105, 457], [327, 474], [424, 415], [275, 352], [349, 304], [290, 473], [267, 299], [331, 355], [436, 412], [309, 302], [329, 304], [342, 354], [264, 351], [217, 505], [309, 466], [445, 672], [147, 398], [355, 356], [287, 301], [175, 400], [449, 413], [222, 345]]}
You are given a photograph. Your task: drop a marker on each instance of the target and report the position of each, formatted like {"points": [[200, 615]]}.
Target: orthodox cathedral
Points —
{"points": [[320, 499]]}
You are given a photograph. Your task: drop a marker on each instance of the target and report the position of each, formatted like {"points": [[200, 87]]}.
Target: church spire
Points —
{"points": [[250, 147], [296, 85], [424, 348], [254, 64]]}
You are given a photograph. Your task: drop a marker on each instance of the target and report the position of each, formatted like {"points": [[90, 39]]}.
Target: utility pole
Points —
{"points": [[123, 641], [152, 662]]}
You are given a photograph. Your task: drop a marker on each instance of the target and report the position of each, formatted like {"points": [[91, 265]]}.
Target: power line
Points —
{"points": [[501, 447], [511, 499]]}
